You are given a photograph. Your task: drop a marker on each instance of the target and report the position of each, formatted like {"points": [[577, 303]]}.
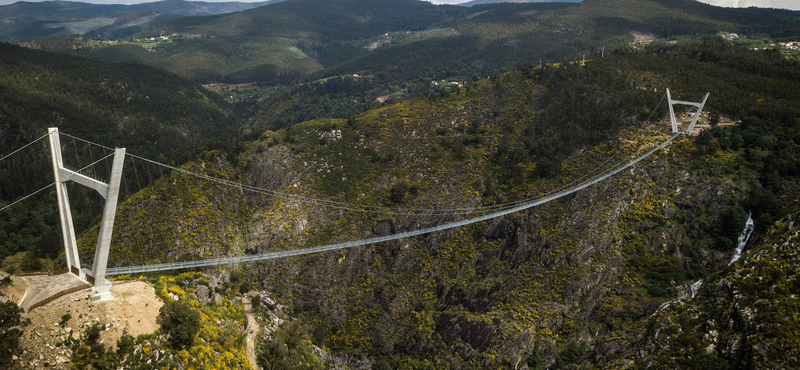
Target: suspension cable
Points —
{"points": [[27, 196], [362, 242], [356, 207], [380, 209], [26, 145]]}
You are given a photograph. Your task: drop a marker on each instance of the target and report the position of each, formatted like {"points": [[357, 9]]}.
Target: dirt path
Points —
{"points": [[252, 332]]}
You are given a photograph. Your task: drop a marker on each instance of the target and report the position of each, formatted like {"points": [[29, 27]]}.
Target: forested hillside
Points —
{"points": [[360, 55], [404, 39], [358, 119], [574, 282], [570, 282], [27, 20], [306, 59], [151, 112]]}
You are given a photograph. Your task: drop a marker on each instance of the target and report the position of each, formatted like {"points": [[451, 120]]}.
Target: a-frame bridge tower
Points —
{"points": [[696, 115], [110, 191]]}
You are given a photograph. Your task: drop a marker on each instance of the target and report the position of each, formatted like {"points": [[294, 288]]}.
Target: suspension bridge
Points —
{"points": [[109, 190]]}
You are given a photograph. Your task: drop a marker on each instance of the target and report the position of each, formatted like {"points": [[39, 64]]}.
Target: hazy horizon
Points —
{"points": [[779, 4]]}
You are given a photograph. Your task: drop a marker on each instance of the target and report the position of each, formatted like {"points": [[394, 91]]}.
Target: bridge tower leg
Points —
{"points": [[101, 285], [109, 191], [699, 107], [67, 228]]}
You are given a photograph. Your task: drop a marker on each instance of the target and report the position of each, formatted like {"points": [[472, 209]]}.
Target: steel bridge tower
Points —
{"points": [[110, 191]]}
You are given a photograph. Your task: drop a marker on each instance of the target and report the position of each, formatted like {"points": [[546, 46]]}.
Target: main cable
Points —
{"points": [[27, 196], [26, 145], [380, 209], [343, 245]]}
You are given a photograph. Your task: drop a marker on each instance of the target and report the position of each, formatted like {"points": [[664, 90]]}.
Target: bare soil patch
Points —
{"points": [[133, 311], [640, 37], [16, 290], [252, 332]]}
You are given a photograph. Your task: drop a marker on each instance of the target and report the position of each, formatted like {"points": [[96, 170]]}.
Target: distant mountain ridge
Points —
{"points": [[481, 2], [352, 36], [24, 20]]}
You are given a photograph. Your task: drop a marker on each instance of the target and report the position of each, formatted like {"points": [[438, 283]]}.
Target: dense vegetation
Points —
{"points": [[180, 321], [482, 292], [10, 322], [155, 114], [572, 283], [741, 317], [411, 39], [492, 141], [25, 20], [406, 62], [399, 50]]}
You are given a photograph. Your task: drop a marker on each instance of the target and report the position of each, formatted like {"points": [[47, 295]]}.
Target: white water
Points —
{"points": [[740, 243], [696, 286]]}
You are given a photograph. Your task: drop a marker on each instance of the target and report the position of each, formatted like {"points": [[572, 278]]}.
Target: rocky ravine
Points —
{"points": [[495, 292]]}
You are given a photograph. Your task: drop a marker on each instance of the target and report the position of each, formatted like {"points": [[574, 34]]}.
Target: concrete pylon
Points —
{"points": [[699, 107], [110, 191], [67, 229]]}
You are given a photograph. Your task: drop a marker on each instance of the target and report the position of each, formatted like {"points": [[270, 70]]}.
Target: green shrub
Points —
{"points": [[535, 360], [10, 318], [570, 354], [125, 345], [181, 321], [381, 365], [64, 320]]}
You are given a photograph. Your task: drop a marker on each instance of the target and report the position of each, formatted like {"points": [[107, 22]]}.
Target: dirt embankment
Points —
{"points": [[133, 311]]}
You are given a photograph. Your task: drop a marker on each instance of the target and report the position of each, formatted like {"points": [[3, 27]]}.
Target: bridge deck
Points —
{"points": [[296, 252]]}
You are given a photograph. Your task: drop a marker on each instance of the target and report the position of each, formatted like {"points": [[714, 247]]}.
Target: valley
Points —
{"points": [[276, 129]]}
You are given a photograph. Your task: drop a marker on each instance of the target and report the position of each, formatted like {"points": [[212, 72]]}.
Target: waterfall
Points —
{"points": [[740, 243], [748, 229], [696, 286]]}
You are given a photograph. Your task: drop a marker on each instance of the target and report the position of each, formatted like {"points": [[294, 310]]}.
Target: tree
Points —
{"points": [[91, 341], [10, 319], [181, 321], [289, 349], [713, 118], [535, 360], [570, 354]]}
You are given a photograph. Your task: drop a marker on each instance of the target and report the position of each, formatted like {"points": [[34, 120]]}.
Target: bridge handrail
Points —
{"points": [[379, 239]]}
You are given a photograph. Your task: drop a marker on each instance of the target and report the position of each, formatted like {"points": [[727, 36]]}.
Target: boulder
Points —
{"points": [[217, 280], [203, 294], [263, 299], [323, 356]]}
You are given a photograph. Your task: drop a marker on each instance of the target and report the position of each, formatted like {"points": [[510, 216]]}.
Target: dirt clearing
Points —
{"points": [[133, 311]]}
